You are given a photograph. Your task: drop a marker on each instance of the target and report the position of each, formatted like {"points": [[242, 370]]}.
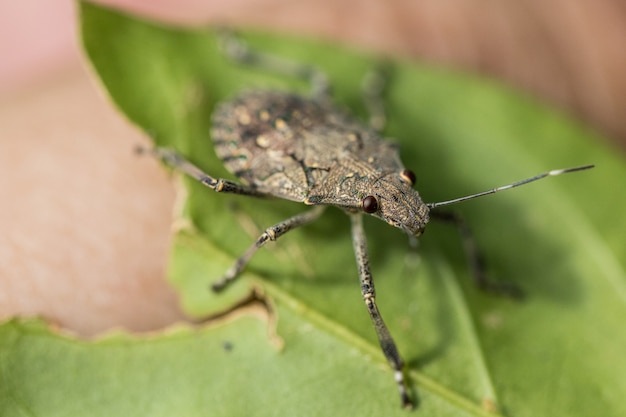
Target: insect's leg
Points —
{"points": [[374, 85], [369, 296], [475, 258], [270, 234], [179, 163], [239, 51]]}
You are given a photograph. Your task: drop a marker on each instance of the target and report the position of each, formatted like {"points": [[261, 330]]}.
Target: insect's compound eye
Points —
{"points": [[370, 204], [408, 176]]}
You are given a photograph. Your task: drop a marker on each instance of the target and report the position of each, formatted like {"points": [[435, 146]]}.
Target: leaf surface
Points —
{"points": [[559, 352]]}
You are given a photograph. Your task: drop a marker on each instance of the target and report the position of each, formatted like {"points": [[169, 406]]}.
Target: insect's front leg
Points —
{"points": [[368, 291], [475, 258], [179, 163]]}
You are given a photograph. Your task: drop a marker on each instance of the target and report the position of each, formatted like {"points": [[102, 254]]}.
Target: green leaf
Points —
{"points": [[559, 352]]}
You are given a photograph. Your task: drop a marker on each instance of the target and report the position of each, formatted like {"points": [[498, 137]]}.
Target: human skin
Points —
{"points": [[86, 225]]}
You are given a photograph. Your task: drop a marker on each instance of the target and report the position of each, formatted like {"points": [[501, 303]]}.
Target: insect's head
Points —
{"points": [[393, 199]]}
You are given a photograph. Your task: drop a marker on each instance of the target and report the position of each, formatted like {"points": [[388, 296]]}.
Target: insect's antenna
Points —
{"points": [[508, 186]]}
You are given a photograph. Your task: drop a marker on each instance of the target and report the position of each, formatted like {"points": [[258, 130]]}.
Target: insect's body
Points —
{"points": [[309, 151]]}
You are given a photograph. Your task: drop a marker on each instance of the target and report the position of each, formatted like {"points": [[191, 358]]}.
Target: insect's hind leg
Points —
{"points": [[475, 258], [179, 163], [270, 234], [373, 89], [238, 50]]}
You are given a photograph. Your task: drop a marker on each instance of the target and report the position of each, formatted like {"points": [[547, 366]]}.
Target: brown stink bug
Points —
{"points": [[305, 149]]}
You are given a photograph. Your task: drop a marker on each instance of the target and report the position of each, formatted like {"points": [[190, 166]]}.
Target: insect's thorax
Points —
{"points": [[303, 150]]}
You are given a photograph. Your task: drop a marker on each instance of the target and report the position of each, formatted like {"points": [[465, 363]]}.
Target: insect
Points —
{"points": [[306, 149]]}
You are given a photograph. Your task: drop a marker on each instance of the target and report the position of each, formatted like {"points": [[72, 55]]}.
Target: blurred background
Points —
{"points": [[84, 226]]}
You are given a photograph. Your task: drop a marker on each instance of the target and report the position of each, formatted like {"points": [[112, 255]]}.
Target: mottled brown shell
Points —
{"points": [[300, 149], [306, 150]]}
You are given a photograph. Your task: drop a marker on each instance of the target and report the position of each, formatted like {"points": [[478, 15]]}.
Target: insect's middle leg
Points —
{"points": [[270, 234], [387, 343]]}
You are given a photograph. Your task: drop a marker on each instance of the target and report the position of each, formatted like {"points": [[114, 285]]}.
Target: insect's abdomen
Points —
{"points": [[264, 137], [289, 146]]}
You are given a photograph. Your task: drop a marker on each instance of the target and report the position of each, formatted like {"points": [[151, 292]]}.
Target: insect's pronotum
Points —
{"points": [[307, 150]]}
